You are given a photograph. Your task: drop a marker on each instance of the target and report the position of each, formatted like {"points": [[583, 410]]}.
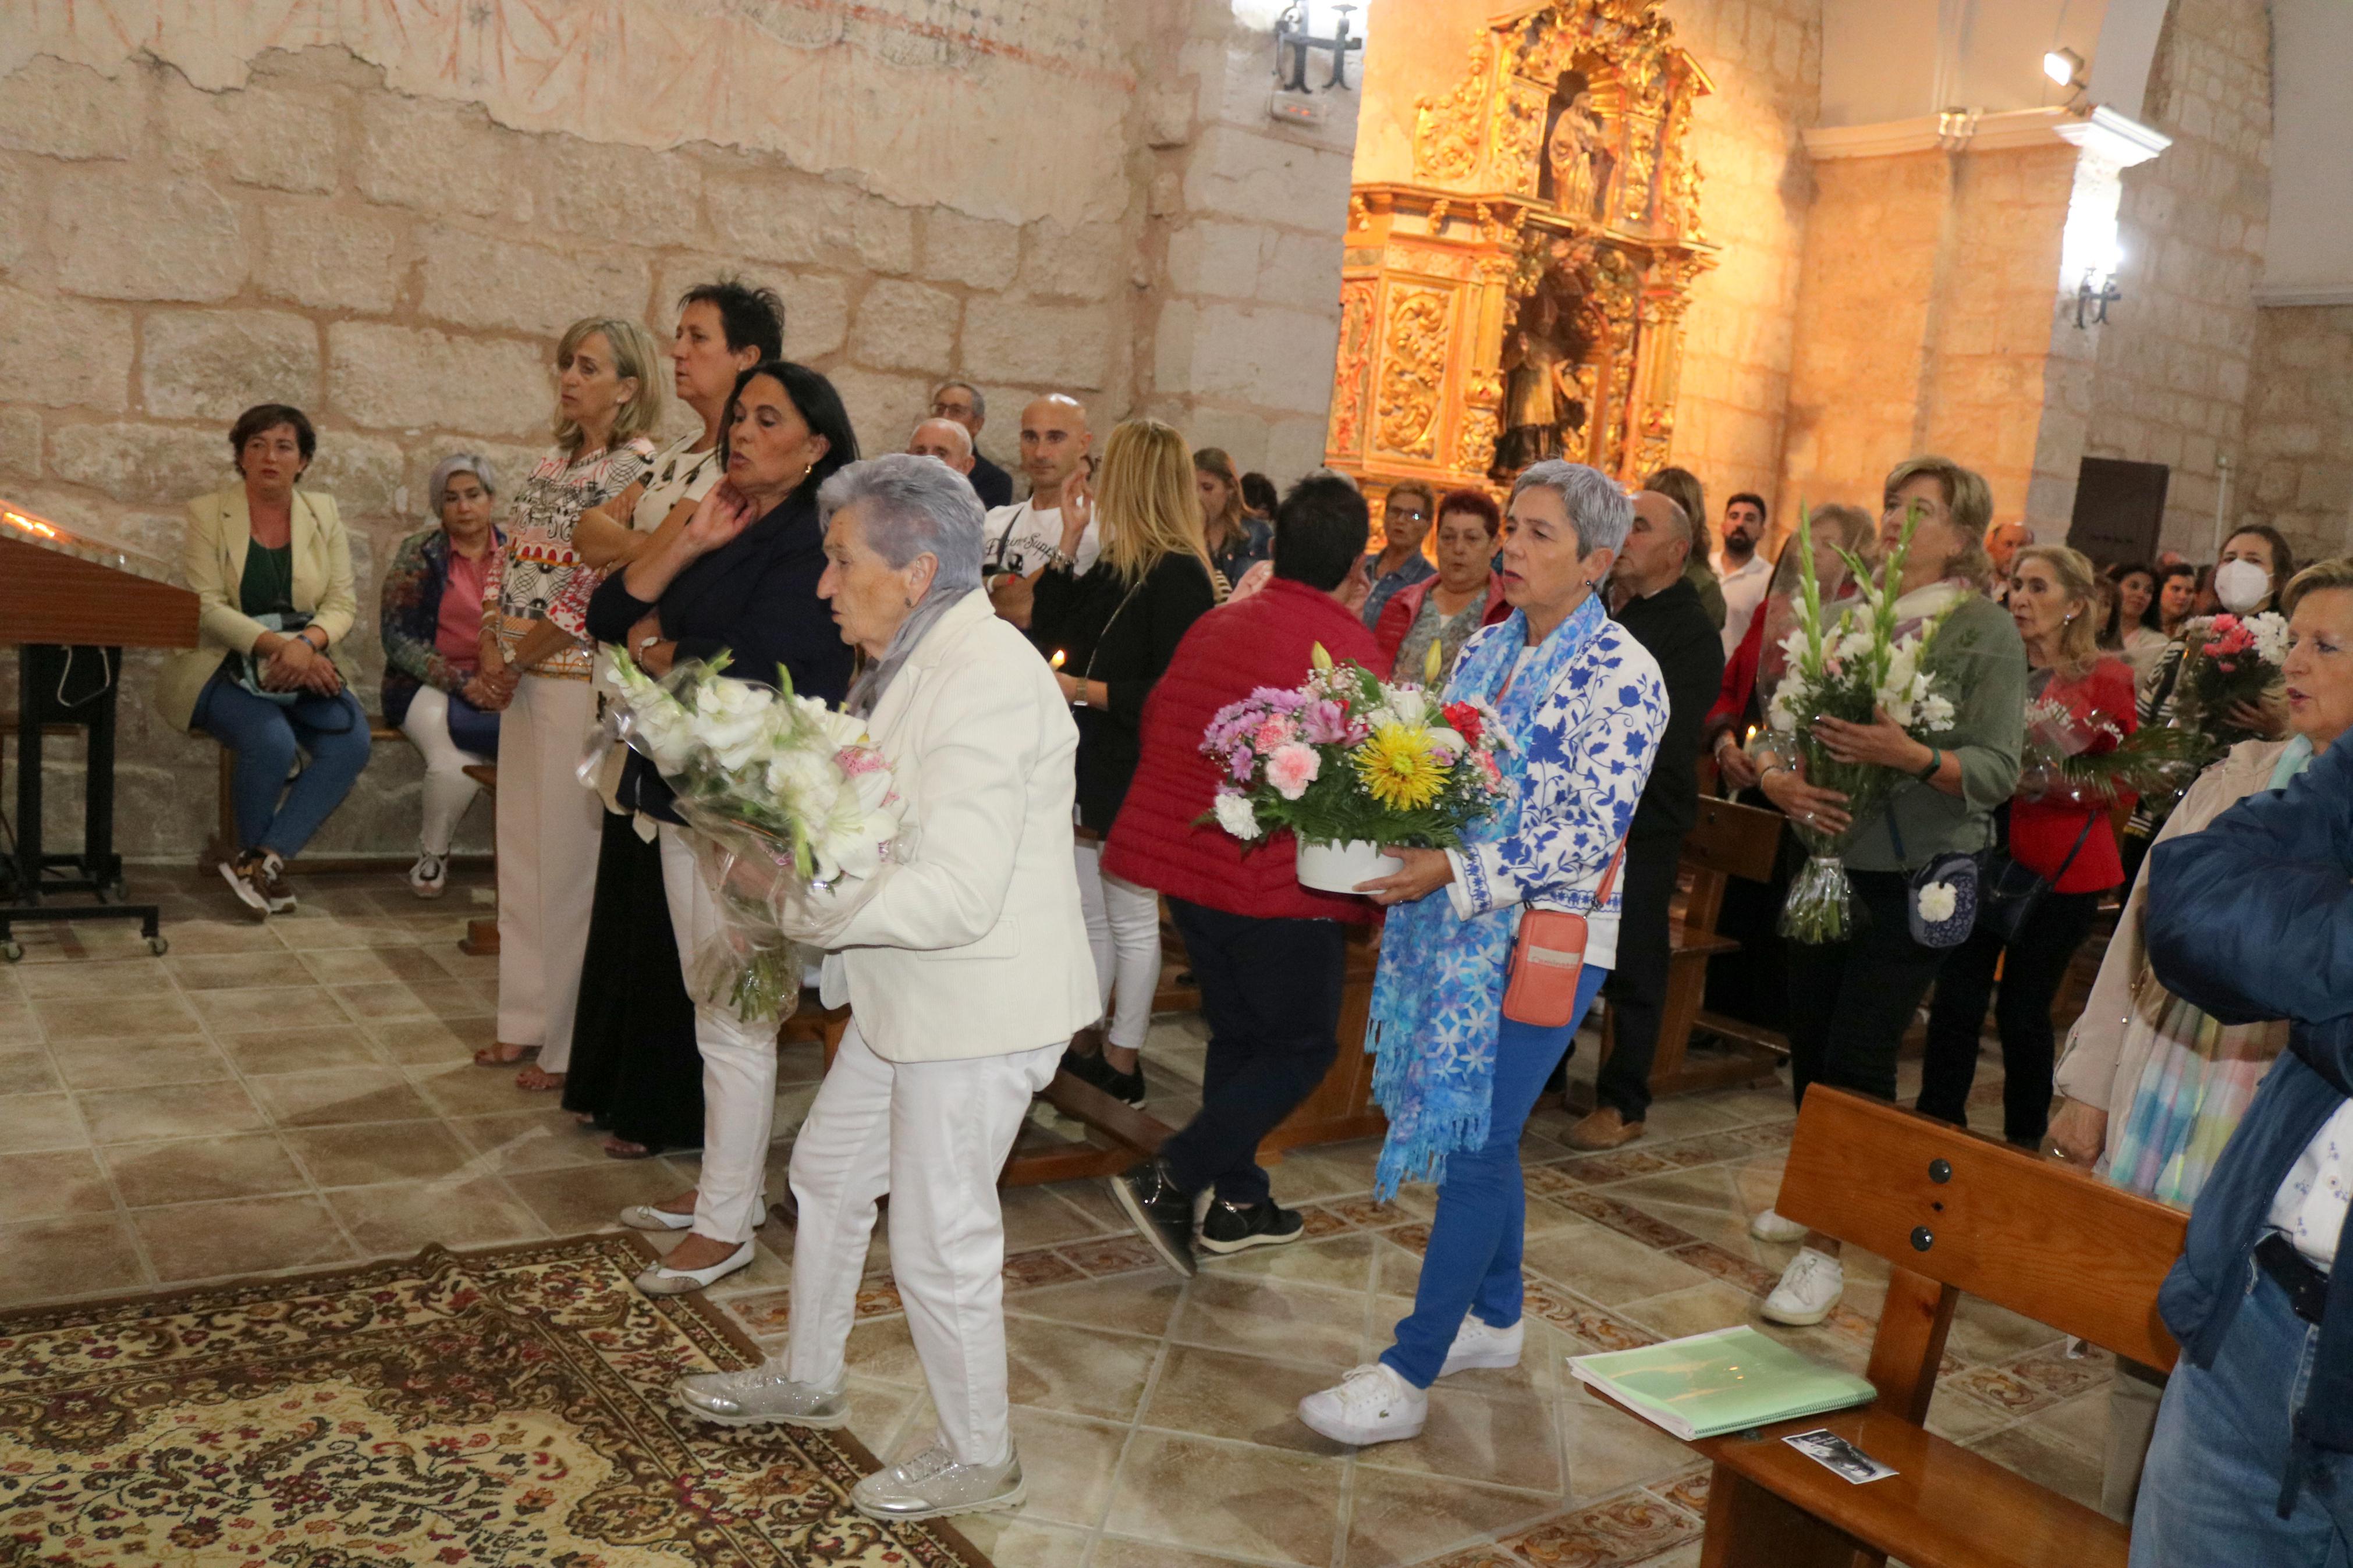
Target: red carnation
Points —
{"points": [[1464, 719]]}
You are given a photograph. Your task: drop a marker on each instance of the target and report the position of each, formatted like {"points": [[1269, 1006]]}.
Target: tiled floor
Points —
{"points": [[299, 1094]]}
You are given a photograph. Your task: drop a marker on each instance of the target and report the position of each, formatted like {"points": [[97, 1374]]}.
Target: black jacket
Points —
{"points": [[991, 483], [1674, 626], [755, 596], [1124, 636]]}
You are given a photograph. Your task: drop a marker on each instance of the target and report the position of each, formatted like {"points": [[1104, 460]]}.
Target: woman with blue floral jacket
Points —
{"points": [[432, 628], [1584, 707]]}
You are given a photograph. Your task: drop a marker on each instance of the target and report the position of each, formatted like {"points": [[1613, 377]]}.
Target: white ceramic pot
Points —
{"points": [[1338, 867]]}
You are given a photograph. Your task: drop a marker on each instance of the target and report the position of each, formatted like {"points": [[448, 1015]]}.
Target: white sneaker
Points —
{"points": [[1809, 1288], [1483, 1344], [429, 877], [1371, 1405], [1771, 1226]]}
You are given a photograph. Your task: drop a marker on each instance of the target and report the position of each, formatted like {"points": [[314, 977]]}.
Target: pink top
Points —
{"points": [[457, 630]]}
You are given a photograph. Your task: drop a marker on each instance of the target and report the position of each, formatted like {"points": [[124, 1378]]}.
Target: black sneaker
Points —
{"points": [[1231, 1227], [1121, 1086], [1161, 1212]]}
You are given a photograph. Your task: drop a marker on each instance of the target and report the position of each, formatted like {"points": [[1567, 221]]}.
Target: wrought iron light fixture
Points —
{"points": [[1293, 38], [2097, 292]]}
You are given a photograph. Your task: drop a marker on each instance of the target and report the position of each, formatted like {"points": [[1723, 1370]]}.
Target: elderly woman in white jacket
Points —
{"points": [[966, 968]]}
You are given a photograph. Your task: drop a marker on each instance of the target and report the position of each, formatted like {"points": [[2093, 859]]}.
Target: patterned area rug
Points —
{"points": [[500, 1408]]}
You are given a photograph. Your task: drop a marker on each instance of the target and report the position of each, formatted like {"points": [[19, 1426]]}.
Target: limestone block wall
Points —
{"points": [[2172, 376], [399, 265], [2299, 436]]}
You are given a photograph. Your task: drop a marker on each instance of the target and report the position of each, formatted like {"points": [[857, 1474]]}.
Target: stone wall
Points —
{"points": [[399, 265], [2298, 474], [2172, 374]]}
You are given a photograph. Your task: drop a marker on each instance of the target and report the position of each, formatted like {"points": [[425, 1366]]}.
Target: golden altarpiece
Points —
{"points": [[1521, 298]]}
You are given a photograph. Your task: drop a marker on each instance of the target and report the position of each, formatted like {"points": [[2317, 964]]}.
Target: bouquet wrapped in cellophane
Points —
{"points": [[2065, 758], [1850, 669], [2226, 661], [781, 794]]}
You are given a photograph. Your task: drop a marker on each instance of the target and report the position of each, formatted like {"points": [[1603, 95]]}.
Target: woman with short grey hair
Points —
{"points": [[1584, 706], [431, 622], [965, 966]]}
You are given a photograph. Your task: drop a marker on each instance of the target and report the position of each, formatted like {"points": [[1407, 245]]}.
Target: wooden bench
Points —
{"points": [[1952, 1213], [1728, 840], [223, 844]]}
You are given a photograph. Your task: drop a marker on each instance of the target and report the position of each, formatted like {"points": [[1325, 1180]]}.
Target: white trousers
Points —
{"points": [[739, 1068], [548, 835], [447, 791], [1123, 929], [934, 1135]]}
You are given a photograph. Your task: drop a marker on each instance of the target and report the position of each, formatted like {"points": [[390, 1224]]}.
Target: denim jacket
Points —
{"points": [[2253, 919], [410, 613]]}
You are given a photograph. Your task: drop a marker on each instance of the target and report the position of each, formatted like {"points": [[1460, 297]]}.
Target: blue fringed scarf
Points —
{"points": [[1437, 999]]}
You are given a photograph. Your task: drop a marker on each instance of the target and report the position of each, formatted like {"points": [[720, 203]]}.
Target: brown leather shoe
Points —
{"points": [[1605, 1128]]}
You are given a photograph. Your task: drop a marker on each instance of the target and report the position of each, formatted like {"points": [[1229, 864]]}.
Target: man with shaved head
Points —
{"points": [[1021, 538], [944, 439], [962, 402], [1661, 607]]}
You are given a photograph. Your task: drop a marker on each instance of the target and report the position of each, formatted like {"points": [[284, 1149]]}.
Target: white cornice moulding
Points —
{"points": [[2287, 294], [2121, 141]]}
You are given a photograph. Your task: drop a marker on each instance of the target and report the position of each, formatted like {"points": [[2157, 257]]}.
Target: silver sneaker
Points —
{"points": [[931, 1483], [760, 1395]]}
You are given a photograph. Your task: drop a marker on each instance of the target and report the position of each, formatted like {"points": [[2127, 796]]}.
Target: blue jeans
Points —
{"points": [[265, 735], [2211, 1488], [1473, 1261]]}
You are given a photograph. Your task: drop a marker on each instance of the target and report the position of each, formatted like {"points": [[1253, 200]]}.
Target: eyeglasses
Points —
{"points": [[1410, 513]]}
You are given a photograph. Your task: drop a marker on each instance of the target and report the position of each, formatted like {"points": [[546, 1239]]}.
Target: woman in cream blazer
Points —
{"points": [[271, 570], [965, 964]]}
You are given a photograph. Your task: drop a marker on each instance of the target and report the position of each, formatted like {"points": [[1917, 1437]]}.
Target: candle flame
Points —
{"points": [[1059, 656], [40, 528]]}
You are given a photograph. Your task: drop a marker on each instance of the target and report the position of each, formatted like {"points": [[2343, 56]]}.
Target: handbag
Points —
{"points": [[1956, 870], [1548, 960], [2008, 890], [244, 668]]}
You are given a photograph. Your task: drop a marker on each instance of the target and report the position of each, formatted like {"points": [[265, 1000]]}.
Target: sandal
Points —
{"points": [[496, 1055], [622, 1149], [536, 1081]]}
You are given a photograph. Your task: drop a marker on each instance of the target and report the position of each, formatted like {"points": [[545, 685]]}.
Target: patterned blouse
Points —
{"points": [[537, 577]]}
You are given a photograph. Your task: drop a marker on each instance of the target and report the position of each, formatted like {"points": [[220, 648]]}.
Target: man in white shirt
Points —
{"points": [[944, 439], [1741, 570], [1020, 539]]}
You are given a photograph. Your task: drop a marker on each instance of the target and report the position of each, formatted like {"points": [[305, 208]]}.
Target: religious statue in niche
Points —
{"points": [[1550, 337], [1576, 154]]}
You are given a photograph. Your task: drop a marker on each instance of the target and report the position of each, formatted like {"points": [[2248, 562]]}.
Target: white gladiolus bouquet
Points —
{"points": [[782, 793], [1850, 669]]}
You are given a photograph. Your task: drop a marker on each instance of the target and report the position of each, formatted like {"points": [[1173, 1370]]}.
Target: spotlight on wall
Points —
{"points": [[1294, 36], [2065, 67]]}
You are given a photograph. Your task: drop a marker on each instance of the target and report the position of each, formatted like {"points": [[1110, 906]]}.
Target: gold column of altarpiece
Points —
{"points": [[1523, 297]]}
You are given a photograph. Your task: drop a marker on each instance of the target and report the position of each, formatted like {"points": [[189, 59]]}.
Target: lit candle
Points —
{"points": [[1059, 656]]}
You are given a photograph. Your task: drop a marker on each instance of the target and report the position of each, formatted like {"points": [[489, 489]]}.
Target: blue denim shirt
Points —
{"points": [[2253, 919]]}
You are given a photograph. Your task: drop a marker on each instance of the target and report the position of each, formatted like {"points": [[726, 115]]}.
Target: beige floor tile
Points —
{"points": [[518, 1141], [1117, 1552], [20, 1028], [28, 1072], [1235, 1498], [1016, 1538], [1343, 1262], [1957, 1418], [138, 1064], [1135, 1303], [249, 1236], [218, 938], [1247, 1399], [250, 1011], [405, 1215], [194, 1170], [339, 1097], [94, 982], [173, 1110], [879, 1348], [278, 1051], [1051, 1368], [2080, 1422], [368, 1153], [1605, 1450], [461, 1088], [1273, 1317], [585, 1198], [1506, 1441], [1069, 1462], [1693, 1310], [1602, 1266], [2055, 1463], [263, 969], [33, 1122], [134, 1017], [1983, 1332], [364, 967], [50, 1183], [434, 1042], [69, 1255], [1036, 1217], [383, 1000], [1396, 1518]]}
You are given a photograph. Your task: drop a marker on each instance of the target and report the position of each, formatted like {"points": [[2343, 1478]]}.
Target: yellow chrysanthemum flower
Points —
{"points": [[1399, 767]]}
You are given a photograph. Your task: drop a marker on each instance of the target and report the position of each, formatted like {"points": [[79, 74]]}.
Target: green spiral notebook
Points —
{"points": [[1726, 1381]]}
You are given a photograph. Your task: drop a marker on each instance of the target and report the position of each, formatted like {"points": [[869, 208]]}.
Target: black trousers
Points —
{"points": [[1849, 1002], [2032, 969], [1637, 988], [1271, 994]]}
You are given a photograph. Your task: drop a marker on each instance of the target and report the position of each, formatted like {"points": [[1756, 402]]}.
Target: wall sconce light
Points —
{"points": [[2065, 67], [2097, 292], [1293, 36]]}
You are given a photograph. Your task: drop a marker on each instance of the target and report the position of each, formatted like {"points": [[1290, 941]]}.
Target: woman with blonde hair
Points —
{"points": [[1115, 628], [2079, 702], [536, 657]]}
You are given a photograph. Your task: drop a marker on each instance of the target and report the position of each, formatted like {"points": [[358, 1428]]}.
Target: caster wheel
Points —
{"points": [[158, 945], [12, 951]]}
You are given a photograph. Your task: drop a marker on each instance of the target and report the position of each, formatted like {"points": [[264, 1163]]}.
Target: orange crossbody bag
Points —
{"points": [[1549, 959]]}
